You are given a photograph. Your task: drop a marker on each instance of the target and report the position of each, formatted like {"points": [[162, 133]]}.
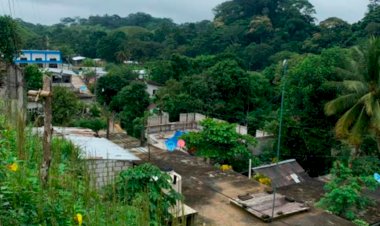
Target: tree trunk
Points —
{"points": [[378, 145], [355, 152]]}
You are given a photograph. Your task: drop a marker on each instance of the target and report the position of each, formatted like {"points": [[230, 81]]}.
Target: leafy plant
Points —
{"points": [[95, 124], [220, 142], [148, 179], [360, 222], [33, 77], [344, 192], [65, 106]]}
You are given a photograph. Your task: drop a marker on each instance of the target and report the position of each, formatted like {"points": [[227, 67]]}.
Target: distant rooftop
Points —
{"points": [[76, 58], [60, 71], [39, 51]]}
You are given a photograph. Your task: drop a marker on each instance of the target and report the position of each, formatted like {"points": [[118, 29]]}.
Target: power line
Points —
{"points": [[10, 8], [13, 7]]}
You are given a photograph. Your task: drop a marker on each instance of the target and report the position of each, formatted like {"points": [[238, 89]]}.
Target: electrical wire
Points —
{"points": [[10, 8]]}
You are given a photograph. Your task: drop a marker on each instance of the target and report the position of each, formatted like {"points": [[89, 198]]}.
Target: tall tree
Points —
{"points": [[130, 103], [10, 40], [65, 107], [33, 77], [360, 100]]}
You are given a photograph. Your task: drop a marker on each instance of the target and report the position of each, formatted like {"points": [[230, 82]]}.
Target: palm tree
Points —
{"points": [[360, 102]]}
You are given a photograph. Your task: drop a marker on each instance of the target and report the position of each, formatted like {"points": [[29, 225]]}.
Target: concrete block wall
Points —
{"points": [[158, 119], [104, 172], [160, 123]]}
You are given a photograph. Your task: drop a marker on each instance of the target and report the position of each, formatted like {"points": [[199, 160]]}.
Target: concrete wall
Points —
{"points": [[103, 172], [158, 119], [152, 89], [12, 86], [187, 121]]}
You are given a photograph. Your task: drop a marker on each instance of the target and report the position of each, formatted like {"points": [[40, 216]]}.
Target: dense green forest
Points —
{"points": [[237, 68], [230, 68]]}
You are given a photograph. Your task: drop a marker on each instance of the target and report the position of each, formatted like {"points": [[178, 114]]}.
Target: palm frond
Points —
{"points": [[373, 63], [346, 121], [341, 104], [355, 136], [347, 73], [368, 100], [375, 119], [356, 86]]}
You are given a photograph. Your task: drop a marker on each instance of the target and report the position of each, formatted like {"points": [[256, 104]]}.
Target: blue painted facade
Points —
{"points": [[46, 57]]}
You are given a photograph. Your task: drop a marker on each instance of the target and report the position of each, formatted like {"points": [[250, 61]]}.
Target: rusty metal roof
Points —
{"points": [[285, 173]]}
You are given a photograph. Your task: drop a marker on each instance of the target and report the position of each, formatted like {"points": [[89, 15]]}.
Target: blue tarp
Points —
{"points": [[377, 177], [171, 143]]}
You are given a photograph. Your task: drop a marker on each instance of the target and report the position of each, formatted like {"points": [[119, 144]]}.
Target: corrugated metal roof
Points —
{"points": [[100, 148], [78, 58], [60, 71], [288, 172]]}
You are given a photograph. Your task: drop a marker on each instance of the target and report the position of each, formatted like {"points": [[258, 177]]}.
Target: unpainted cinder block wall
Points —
{"points": [[104, 172]]}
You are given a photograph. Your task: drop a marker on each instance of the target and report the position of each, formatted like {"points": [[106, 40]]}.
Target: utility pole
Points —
{"points": [[285, 65], [47, 94]]}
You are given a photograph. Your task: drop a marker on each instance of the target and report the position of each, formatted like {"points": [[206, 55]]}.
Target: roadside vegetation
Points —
{"points": [[69, 197]]}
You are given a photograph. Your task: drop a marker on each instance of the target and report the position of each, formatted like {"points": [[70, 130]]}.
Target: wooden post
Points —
{"points": [[47, 94], [250, 169], [47, 131]]}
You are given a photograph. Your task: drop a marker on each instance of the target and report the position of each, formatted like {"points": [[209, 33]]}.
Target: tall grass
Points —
{"points": [[69, 191]]}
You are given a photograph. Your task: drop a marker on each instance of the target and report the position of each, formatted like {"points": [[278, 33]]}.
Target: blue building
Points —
{"points": [[42, 58]]}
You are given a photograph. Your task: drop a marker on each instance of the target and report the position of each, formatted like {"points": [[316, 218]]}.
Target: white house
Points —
{"points": [[42, 58]]}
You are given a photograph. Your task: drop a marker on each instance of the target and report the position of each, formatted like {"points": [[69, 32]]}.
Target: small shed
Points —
{"points": [[284, 173], [78, 59], [104, 158]]}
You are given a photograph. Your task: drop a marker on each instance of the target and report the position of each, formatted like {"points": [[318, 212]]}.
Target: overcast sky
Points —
{"points": [[51, 11]]}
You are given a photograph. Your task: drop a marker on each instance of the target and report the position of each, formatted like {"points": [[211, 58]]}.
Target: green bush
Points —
{"points": [[220, 142], [344, 192], [360, 222], [95, 124], [25, 201], [147, 186]]}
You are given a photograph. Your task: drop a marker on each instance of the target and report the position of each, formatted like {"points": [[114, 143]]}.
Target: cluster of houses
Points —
{"points": [[221, 198], [71, 76]]}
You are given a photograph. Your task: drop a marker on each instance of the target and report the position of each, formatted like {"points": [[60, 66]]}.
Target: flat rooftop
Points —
{"points": [[92, 147], [100, 148], [208, 191]]}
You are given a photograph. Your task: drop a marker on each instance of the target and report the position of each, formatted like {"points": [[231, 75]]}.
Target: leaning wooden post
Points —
{"points": [[47, 94]]}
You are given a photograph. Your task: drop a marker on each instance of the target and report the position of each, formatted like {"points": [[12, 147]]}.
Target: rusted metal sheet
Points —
{"points": [[285, 173]]}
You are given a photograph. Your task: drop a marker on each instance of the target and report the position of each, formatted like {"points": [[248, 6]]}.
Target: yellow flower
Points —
{"points": [[79, 218], [13, 167], [225, 167]]}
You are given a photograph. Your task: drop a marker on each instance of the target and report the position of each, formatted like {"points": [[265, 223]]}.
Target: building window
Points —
{"points": [[66, 78], [53, 65], [23, 59], [57, 79], [38, 59]]}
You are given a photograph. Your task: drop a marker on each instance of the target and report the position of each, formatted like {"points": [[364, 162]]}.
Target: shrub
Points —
{"points": [[133, 183], [344, 192]]}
